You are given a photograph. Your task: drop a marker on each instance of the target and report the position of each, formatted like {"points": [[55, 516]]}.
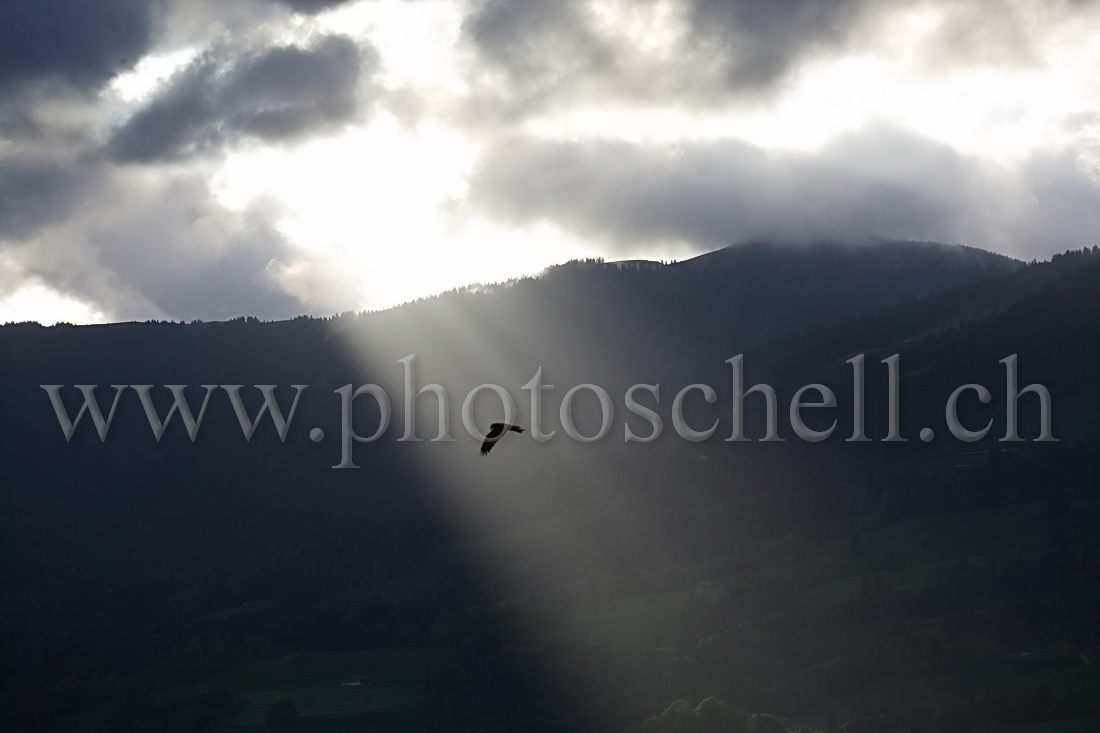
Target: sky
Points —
{"points": [[208, 159]]}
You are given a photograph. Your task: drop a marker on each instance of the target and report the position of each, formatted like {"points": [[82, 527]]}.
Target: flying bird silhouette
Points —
{"points": [[496, 432]]}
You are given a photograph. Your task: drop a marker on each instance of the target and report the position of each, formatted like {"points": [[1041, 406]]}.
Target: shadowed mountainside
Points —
{"points": [[557, 584]]}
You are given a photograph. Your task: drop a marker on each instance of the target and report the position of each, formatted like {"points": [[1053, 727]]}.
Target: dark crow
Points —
{"points": [[496, 431]]}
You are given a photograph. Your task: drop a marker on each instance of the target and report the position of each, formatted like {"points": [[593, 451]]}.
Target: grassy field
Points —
{"points": [[933, 689], [925, 551], [1084, 725], [981, 536], [922, 551], [313, 682]]}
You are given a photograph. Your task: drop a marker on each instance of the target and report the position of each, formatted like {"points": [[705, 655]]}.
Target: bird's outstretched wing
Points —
{"points": [[496, 431]]}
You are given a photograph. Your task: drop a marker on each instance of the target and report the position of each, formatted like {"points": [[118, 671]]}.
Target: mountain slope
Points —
{"points": [[133, 564]]}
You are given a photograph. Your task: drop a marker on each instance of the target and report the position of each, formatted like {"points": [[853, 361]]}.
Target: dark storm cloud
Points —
{"points": [[1062, 208], [758, 41], [311, 6], [708, 194], [556, 51], [35, 191], [79, 43], [137, 245], [139, 249], [549, 53], [534, 37], [181, 252], [551, 48], [273, 94]]}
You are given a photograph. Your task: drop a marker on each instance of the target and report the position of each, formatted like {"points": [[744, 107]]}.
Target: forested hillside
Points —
{"points": [[233, 584]]}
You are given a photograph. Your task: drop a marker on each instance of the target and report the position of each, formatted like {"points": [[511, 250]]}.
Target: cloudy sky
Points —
{"points": [[183, 159]]}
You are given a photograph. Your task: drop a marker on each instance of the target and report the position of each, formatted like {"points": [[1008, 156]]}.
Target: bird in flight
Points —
{"points": [[496, 432]]}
